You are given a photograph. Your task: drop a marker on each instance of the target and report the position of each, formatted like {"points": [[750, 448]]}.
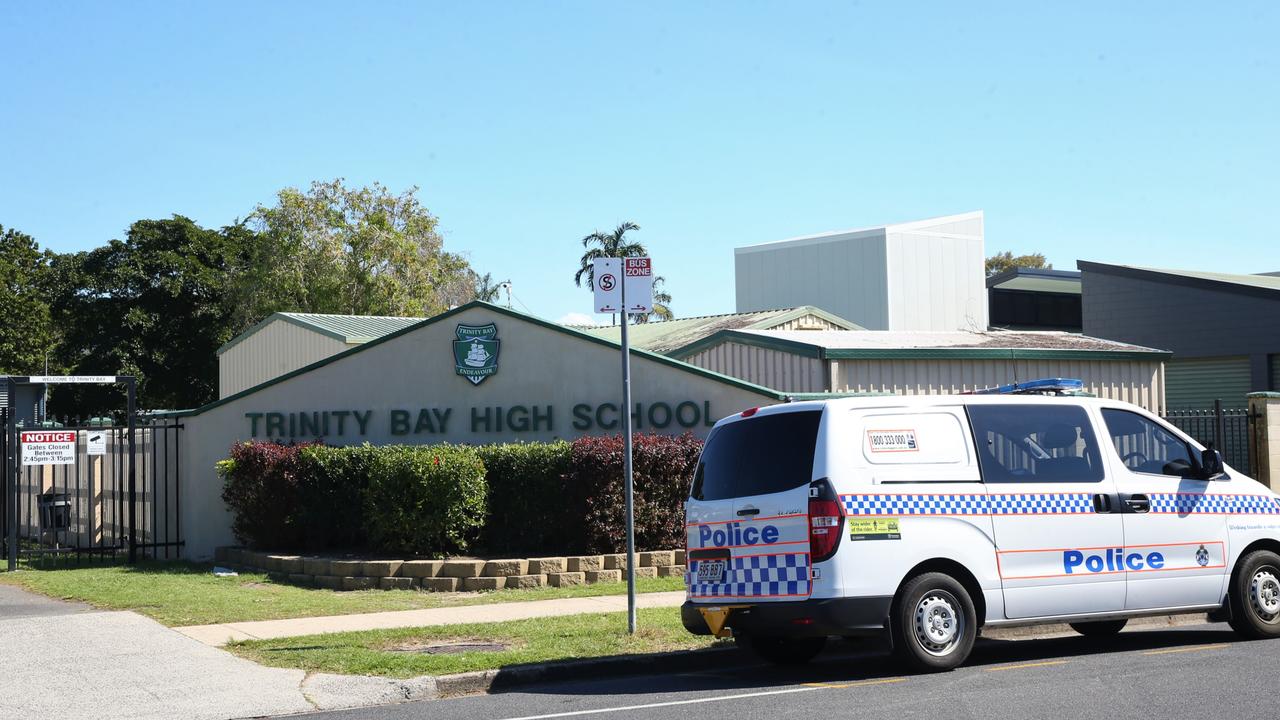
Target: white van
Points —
{"points": [[928, 517]]}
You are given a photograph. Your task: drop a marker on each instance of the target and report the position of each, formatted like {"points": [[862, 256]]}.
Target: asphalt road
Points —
{"points": [[1197, 671]]}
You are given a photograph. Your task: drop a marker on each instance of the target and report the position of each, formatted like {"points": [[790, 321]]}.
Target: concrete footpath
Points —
{"points": [[67, 661], [222, 633]]}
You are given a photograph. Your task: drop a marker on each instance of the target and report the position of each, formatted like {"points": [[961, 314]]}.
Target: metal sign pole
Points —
{"points": [[626, 465], [133, 478], [11, 475]]}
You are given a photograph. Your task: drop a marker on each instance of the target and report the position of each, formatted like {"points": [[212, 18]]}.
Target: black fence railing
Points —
{"points": [[1227, 428], [113, 495]]}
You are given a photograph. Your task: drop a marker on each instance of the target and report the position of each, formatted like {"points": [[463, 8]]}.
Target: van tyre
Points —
{"points": [[782, 651], [1255, 596], [933, 623], [1099, 628]]}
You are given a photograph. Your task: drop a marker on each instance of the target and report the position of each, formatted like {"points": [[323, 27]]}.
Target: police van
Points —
{"points": [[926, 518]]}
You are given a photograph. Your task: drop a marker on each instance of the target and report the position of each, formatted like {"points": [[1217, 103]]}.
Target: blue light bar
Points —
{"points": [[1054, 386]]}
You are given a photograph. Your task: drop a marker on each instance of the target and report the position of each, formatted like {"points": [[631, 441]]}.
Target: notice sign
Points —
{"points": [[96, 443], [638, 277], [49, 447]]}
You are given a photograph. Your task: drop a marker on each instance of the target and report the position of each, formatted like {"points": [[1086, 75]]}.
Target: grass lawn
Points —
{"points": [[399, 653], [180, 593]]}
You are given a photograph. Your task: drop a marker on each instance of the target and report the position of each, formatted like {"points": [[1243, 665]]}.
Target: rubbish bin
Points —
{"points": [[55, 511]]}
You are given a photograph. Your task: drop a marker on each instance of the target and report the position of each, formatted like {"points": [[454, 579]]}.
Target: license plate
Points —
{"points": [[711, 571]]}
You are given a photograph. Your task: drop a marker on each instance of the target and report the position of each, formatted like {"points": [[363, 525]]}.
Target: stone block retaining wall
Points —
{"points": [[452, 575]]}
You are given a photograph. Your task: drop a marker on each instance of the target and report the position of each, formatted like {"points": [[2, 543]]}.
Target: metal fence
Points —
{"points": [[1227, 428], [95, 507]]}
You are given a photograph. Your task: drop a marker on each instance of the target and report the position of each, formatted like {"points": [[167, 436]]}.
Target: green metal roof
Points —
{"points": [[665, 336], [1267, 282], [1037, 280], [1265, 285], [350, 329], [424, 322], [929, 345]]}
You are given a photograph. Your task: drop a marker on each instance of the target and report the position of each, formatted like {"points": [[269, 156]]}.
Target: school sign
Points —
{"points": [[476, 374]]}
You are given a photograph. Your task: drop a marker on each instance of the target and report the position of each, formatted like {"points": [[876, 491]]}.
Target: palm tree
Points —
{"points": [[614, 244], [486, 289], [661, 303]]}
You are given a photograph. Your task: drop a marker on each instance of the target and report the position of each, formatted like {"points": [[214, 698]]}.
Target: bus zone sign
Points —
{"points": [[49, 447]]}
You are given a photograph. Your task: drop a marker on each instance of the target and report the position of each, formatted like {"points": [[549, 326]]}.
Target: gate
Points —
{"points": [[114, 492], [1227, 428]]}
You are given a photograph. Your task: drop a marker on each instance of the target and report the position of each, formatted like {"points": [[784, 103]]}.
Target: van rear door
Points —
{"points": [[747, 527]]}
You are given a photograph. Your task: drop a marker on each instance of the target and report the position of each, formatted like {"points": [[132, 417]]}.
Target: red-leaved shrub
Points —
{"points": [[261, 487], [662, 466]]}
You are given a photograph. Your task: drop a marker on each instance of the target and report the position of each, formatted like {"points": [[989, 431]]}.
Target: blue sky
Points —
{"points": [[1141, 133]]}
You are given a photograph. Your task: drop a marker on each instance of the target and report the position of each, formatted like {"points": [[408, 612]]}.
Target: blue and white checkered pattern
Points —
{"points": [[755, 576], [1198, 503], [1041, 504], [1004, 504]]}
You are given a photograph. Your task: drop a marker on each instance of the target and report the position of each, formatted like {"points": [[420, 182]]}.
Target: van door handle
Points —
{"points": [[748, 511], [1101, 503], [1138, 503]]}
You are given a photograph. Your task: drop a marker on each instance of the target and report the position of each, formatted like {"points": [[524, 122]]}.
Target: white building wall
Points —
{"points": [[277, 348], [842, 273], [936, 274]]}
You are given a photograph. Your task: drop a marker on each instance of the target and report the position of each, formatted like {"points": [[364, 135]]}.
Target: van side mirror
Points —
{"points": [[1211, 465]]}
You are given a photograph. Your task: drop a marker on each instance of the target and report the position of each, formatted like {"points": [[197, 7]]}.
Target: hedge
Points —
{"points": [[530, 504], [518, 499], [331, 501]]}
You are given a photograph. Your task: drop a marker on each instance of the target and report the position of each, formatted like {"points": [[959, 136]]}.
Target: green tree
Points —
{"points": [[1006, 260], [154, 305], [485, 288], [27, 331], [360, 251]]}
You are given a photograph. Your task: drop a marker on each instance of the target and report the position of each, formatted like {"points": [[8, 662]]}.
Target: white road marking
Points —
{"points": [[1188, 649], [672, 703]]}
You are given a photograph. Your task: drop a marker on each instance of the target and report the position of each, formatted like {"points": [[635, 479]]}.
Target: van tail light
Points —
{"points": [[826, 522]]}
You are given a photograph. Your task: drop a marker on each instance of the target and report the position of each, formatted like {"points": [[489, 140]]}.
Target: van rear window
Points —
{"points": [[757, 456]]}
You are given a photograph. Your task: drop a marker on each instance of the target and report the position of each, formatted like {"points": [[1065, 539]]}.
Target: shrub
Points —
{"points": [[261, 487], [531, 511], [332, 486], [427, 500], [662, 468]]}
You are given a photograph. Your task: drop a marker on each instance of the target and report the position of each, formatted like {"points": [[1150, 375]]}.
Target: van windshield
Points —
{"points": [[757, 456]]}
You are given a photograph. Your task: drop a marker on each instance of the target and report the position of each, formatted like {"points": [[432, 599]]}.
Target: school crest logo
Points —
{"points": [[475, 352], [1202, 556]]}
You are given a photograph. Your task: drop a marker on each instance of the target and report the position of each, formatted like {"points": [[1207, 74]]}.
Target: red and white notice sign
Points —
{"points": [[638, 278], [49, 447]]}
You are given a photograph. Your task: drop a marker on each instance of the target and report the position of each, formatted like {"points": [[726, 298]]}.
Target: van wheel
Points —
{"points": [[934, 623], [782, 651], [1255, 596], [1099, 628]]}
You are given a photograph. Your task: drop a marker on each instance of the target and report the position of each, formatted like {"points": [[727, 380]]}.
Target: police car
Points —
{"points": [[926, 518]]}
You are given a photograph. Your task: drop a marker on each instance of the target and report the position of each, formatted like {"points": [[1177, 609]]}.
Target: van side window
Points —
{"points": [[1035, 443], [1145, 446]]}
